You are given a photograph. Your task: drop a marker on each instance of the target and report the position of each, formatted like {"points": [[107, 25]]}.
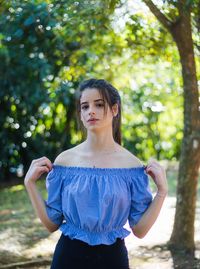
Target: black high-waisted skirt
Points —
{"points": [[76, 254]]}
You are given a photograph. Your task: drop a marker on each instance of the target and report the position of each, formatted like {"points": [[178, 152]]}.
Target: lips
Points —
{"points": [[91, 120]]}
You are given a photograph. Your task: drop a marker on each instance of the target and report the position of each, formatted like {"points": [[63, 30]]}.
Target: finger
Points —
{"points": [[154, 164], [43, 169], [44, 162], [149, 166], [47, 162], [151, 169]]}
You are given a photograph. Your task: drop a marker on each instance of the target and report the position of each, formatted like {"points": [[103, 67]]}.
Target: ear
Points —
{"points": [[115, 110]]}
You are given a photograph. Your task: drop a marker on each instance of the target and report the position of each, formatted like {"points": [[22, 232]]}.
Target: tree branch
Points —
{"points": [[158, 14], [184, 7]]}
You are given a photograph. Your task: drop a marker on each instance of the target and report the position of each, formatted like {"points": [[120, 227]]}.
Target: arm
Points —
{"points": [[37, 168], [149, 217], [157, 172]]}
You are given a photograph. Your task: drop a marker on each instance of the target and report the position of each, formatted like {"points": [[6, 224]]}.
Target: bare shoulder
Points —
{"points": [[130, 159], [66, 157]]}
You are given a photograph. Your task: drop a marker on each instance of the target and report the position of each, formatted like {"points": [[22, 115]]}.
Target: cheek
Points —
{"points": [[109, 116], [82, 116]]}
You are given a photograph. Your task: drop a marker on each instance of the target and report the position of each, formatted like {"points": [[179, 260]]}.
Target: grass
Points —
{"points": [[18, 223]]}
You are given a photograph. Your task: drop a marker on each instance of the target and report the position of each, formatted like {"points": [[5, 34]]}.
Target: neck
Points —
{"points": [[101, 142]]}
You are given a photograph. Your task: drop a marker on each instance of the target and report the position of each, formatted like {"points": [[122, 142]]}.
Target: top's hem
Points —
{"points": [[93, 238]]}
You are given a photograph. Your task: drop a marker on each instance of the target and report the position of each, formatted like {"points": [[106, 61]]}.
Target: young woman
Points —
{"points": [[95, 187]]}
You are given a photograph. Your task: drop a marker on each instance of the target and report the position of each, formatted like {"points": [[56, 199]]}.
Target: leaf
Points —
{"points": [[19, 33], [30, 20]]}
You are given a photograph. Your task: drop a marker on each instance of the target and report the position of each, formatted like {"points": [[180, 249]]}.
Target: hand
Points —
{"points": [[157, 172], [37, 168]]}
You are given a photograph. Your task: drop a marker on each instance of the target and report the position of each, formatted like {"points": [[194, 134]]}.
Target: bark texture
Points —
{"points": [[183, 231]]}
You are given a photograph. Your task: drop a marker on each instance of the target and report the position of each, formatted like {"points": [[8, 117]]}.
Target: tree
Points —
{"points": [[45, 51], [178, 21], [31, 53]]}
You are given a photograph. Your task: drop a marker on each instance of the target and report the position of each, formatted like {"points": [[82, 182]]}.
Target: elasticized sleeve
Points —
{"points": [[54, 201], [141, 197]]}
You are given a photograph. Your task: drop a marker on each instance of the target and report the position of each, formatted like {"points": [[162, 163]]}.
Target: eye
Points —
{"points": [[84, 107], [100, 105]]}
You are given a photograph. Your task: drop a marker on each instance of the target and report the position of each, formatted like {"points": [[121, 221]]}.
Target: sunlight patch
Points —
{"points": [[17, 188]]}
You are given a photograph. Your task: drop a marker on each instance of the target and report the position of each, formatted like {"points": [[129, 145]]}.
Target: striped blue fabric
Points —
{"points": [[94, 204]]}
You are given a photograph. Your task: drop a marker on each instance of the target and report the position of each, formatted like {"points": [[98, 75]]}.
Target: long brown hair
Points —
{"points": [[110, 96]]}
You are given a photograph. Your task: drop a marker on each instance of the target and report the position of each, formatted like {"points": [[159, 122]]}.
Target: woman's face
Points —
{"points": [[92, 110]]}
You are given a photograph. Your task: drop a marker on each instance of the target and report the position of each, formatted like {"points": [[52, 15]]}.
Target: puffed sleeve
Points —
{"points": [[54, 201], [141, 197]]}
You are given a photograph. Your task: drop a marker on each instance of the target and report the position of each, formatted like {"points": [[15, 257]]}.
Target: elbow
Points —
{"points": [[139, 233], [51, 229]]}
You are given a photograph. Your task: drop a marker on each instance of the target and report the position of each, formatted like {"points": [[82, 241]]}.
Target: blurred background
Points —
{"points": [[149, 50]]}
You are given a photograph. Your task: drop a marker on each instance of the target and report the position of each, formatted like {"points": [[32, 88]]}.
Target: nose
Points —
{"points": [[91, 110]]}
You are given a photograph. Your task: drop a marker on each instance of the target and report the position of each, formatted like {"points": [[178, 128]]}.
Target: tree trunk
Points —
{"points": [[183, 230]]}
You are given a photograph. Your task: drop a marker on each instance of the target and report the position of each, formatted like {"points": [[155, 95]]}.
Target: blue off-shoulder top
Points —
{"points": [[93, 204]]}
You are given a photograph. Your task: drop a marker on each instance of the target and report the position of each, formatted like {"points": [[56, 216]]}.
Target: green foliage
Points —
{"points": [[26, 61], [146, 36], [45, 51], [48, 47], [153, 114]]}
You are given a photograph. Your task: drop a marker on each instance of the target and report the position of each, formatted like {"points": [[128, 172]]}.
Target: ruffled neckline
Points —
{"points": [[99, 170]]}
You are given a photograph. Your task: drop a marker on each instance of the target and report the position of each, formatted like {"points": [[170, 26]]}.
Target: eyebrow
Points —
{"points": [[94, 101]]}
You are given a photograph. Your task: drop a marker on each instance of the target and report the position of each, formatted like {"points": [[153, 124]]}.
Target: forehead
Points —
{"points": [[90, 94]]}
